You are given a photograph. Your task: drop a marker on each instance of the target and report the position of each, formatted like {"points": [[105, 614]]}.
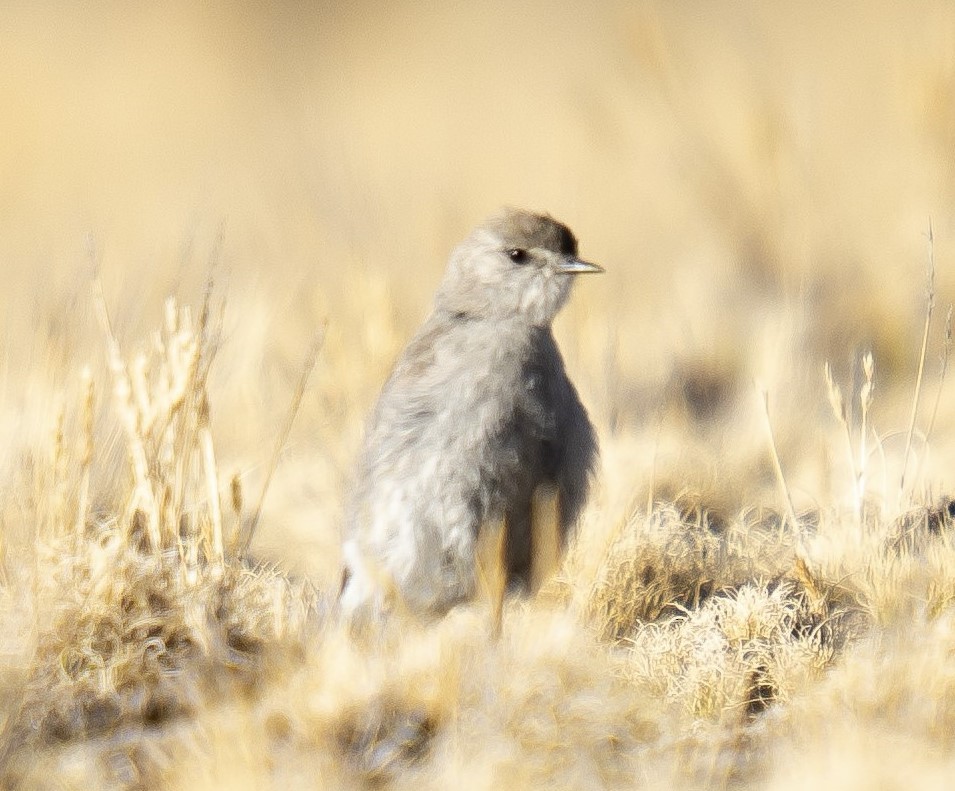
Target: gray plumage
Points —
{"points": [[477, 413]]}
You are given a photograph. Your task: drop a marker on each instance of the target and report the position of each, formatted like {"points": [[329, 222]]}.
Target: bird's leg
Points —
{"points": [[492, 569], [545, 535], [368, 590]]}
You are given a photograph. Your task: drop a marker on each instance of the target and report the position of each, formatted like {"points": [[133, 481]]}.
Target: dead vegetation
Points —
{"points": [[762, 591], [678, 645]]}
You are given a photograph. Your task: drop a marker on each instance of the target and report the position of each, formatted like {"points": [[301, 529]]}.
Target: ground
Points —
{"points": [[220, 224]]}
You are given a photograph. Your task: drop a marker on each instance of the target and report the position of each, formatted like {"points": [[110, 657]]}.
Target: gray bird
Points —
{"points": [[477, 413]]}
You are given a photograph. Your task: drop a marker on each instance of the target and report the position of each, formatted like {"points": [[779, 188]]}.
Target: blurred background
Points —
{"points": [[757, 178]]}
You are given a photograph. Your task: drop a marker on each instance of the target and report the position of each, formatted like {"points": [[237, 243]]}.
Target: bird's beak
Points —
{"points": [[574, 266]]}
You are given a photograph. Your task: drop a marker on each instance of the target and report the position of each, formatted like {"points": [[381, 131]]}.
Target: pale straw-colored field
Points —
{"points": [[194, 198]]}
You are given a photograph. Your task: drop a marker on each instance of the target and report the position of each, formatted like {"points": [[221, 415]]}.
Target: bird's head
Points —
{"points": [[517, 265]]}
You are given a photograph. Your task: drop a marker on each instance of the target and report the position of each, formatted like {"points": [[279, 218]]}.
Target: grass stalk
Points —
{"points": [[310, 360], [929, 309], [777, 466]]}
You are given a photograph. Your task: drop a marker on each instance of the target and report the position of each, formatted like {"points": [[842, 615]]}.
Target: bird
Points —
{"points": [[476, 415]]}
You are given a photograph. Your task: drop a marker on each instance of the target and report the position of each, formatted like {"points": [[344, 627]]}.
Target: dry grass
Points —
{"points": [[762, 591], [681, 645]]}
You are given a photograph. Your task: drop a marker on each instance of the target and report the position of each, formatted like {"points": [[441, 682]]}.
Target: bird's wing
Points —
{"points": [[570, 442]]}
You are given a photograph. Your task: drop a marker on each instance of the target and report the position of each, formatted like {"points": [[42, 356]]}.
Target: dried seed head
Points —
{"points": [[835, 396]]}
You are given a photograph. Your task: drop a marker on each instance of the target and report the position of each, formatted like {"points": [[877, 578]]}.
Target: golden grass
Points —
{"points": [[680, 646], [762, 590]]}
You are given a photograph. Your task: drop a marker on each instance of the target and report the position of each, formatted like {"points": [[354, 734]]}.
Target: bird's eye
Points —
{"points": [[518, 255]]}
